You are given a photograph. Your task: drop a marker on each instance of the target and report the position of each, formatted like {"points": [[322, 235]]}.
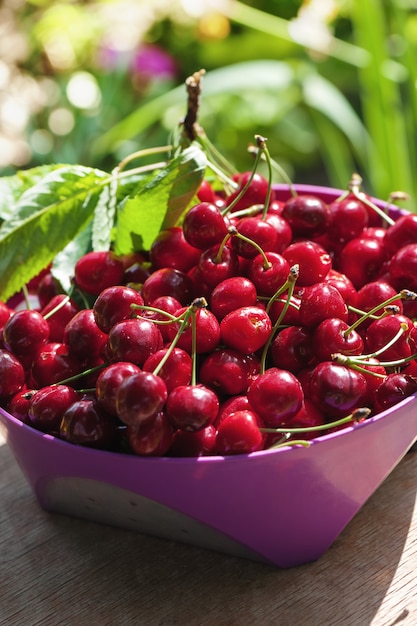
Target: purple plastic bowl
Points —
{"points": [[253, 506]]}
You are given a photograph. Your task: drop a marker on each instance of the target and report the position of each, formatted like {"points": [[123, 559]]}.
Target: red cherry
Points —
{"points": [[207, 331], [331, 337], [95, 271], [193, 444], [319, 302], [313, 261], [12, 375], [276, 395], [192, 407], [260, 231], [114, 304], [151, 438], [232, 294], [292, 348], [133, 340], [336, 389], [348, 218], [58, 312], [140, 397], [402, 233], [403, 267], [268, 280], [395, 388], [83, 338], [177, 369], [170, 249], [204, 226], [227, 371], [24, 333], [255, 194], [109, 381], [246, 329], [48, 405], [239, 433], [361, 259], [86, 423], [307, 215], [168, 282]]}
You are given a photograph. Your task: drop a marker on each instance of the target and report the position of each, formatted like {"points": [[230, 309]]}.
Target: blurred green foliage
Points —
{"points": [[331, 84]]}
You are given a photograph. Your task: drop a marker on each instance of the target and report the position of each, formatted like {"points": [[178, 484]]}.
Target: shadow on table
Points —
{"points": [[121, 577]]}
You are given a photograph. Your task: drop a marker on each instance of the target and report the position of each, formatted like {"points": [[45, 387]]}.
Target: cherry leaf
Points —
{"points": [[44, 220], [159, 201]]}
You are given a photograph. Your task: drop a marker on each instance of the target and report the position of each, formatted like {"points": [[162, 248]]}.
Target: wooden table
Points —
{"points": [[59, 570]]}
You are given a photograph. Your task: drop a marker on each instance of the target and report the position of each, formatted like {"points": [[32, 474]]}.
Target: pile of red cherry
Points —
{"points": [[244, 328]]}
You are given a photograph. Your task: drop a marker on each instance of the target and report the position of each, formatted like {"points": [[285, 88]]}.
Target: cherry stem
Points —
{"points": [[354, 188], [219, 254], [235, 233], [193, 86], [59, 306], [404, 294], [357, 416], [289, 285], [357, 362], [184, 322], [140, 154], [403, 328], [70, 379], [245, 187], [261, 142], [279, 169], [144, 307]]}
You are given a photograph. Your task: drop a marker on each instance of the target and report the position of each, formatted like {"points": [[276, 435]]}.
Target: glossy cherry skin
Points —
{"points": [[12, 375], [85, 423], [168, 282], [348, 218], [171, 249], [176, 370], [207, 331], [292, 348], [133, 340], [193, 444], [268, 279], [214, 269], [115, 304], [403, 267], [395, 388], [291, 315], [336, 389], [192, 407], [58, 312], [282, 228], [95, 271], [257, 230], [48, 405], [204, 226], [313, 260], [151, 438], [231, 405], [361, 259], [344, 285], [402, 233], [109, 381], [319, 302], [232, 294], [140, 397], [227, 371], [255, 194], [382, 330], [371, 295], [239, 433], [246, 329], [18, 405], [83, 338], [307, 215], [5, 313], [331, 337], [53, 364], [276, 395], [24, 333]]}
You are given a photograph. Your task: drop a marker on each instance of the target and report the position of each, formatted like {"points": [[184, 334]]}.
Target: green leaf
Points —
{"points": [[160, 200], [12, 187], [45, 219], [104, 216]]}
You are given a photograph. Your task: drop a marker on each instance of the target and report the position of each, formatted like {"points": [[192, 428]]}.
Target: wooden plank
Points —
{"points": [[56, 569]]}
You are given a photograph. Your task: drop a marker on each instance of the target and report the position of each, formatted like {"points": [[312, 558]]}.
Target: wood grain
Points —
{"points": [[60, 570]]}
